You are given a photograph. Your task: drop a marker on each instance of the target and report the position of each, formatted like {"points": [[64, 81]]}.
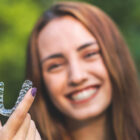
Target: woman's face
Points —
{"points": [[73, 69]]}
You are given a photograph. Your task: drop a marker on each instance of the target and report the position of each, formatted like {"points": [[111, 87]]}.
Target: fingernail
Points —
{"points": [[33, 91]]}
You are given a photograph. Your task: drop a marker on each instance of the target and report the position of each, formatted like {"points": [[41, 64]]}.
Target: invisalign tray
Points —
{"points": [[25, 87]]}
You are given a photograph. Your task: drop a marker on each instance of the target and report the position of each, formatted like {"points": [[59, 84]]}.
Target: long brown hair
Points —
{"points": [[124, 111]]}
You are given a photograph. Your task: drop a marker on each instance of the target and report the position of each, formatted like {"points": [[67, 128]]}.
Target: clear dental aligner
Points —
{"points": [[25, 87]]}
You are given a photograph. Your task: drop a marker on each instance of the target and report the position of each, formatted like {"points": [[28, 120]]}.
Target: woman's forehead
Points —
{"points": [[63, 32]]}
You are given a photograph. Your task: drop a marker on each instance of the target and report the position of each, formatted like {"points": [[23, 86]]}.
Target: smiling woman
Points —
{"points": [[80, 70], [87, 83]]}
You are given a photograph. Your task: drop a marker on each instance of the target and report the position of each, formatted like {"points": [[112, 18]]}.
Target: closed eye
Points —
{"points": [[91, 54], [54, 66]]}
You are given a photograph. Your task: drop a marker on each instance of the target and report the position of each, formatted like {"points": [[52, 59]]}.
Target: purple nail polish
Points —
{"points": [[33, 91]]}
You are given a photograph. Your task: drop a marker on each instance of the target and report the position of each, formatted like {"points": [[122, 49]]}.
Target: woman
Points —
{"points": [[86, 80]]}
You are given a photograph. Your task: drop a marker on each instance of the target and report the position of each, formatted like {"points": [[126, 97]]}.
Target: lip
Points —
{"points": [[84, 100]]}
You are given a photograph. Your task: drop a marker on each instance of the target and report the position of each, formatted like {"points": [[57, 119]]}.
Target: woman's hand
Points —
{"points": [[19, 125]]}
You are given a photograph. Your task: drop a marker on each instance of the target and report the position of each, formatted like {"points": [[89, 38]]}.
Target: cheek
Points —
{"points": [[98, 69], [55, 83]]}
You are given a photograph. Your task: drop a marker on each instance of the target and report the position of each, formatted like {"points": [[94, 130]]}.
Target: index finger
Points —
{"points": [[18, 116]]}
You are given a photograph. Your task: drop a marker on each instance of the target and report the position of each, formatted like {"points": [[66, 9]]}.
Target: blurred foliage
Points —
{"points": [[17, 18]]}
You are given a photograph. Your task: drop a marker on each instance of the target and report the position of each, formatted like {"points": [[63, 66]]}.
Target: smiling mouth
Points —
{"points": [[83, 96]]}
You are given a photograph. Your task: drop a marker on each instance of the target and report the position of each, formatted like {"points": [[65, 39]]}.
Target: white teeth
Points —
{"points": [[84, 94]]}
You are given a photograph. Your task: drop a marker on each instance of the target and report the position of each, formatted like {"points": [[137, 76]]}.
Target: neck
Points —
{"points": [[90, 129]]}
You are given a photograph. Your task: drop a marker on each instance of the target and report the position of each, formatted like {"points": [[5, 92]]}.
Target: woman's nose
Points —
{"points": [[77, 74]]}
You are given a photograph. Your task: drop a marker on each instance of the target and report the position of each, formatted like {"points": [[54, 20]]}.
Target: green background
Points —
{"points": [[17, 18]]}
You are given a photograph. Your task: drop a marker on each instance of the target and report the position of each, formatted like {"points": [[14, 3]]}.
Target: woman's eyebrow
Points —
{"points": [[57, 55], [86, 45]]}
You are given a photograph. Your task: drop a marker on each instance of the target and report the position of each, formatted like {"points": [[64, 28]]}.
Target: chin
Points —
{"points": [[87, 116], [91, 113]]}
